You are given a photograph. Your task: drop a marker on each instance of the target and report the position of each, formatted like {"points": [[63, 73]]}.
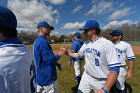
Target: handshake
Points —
{"points": [[63, 50]]}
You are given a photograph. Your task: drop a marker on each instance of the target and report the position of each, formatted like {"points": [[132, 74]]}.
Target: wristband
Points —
{"points": [[105, 91]]}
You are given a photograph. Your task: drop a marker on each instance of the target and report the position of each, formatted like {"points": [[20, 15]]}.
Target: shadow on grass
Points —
{"points": [[74, 89], [113, 90], [128, 88]]}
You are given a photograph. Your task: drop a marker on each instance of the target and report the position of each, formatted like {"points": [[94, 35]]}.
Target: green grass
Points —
{"points": [[66, 77], [135, 81]]}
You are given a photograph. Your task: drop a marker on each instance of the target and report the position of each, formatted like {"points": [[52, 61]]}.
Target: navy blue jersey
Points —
{"points": [[45, 61], [76, 45]]}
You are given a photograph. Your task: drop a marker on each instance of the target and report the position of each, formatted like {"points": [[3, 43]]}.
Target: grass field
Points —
{"points": [[66, 77]]}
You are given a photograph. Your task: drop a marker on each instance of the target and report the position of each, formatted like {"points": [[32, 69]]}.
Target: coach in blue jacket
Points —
{"points": [[45, 60]]}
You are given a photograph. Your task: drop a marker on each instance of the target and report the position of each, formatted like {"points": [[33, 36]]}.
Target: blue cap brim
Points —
{"points": [[51, 28], [84, 28], [114, 34], [110, 34]]}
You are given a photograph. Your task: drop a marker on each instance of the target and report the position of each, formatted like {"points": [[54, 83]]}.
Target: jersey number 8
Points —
{"points": [[96, 62]]}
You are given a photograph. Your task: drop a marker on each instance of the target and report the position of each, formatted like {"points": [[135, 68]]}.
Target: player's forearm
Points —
{"points": [[73, 55], [129, 73], [131, 64], [112, 77]]}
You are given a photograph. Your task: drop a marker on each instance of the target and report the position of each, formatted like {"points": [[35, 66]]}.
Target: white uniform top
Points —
{"points": [[17, 69], [99, 54], [124, 52]]}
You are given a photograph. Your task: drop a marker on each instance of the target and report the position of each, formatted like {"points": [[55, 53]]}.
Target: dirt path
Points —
{"points": [[136, 49]]}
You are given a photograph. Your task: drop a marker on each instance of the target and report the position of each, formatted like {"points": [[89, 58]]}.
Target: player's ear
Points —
{"points": [[120, 37], [39, 30], [1, 36]]}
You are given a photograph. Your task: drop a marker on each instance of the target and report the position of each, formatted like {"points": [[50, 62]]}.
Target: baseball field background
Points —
{"points": [[66, 77]]}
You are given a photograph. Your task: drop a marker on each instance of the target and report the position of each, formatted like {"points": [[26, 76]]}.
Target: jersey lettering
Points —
{"points": [[91, 50]]}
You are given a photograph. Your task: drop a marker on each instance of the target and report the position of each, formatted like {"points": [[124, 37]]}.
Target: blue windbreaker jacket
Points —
{"points": [[45, 61]]}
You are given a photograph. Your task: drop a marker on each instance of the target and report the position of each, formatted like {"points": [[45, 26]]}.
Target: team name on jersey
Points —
{"points": [[119, 51], [92, 50]]}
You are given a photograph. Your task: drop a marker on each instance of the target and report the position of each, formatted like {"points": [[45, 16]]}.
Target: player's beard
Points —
{"points": [[87, 37], [114, 40], [47, 33], [90, 35]]}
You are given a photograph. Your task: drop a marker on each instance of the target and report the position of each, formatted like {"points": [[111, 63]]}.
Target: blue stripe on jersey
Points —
{"points": [[131, 57], [116, 69], [13, 42], [131, 60], [12, 45], [112, 65]]}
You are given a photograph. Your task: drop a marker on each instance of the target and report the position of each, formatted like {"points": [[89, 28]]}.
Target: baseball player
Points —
{"points": [[76, 45], [17, 67], [124, 51], [45, 60], [101, 62]]}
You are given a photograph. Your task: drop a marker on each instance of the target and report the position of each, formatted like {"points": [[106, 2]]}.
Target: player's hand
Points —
{"points": [[62, 51], [59, 66], [67, 52], [100, 91], [129, 74]]}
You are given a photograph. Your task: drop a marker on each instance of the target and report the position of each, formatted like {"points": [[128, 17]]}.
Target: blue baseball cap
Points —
{"points": [[116, 32], [44, 24], [90, 24], [7, 18], [76, 34]]}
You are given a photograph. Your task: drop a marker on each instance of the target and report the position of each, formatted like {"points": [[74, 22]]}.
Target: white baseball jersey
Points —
{"points": [[99, 55], [124, 51], [17, 69]]}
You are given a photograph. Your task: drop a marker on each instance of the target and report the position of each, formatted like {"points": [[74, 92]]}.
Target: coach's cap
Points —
{"points": [[116, 32], [44, 24], [77, 34], [90, 24], [7, 18]]}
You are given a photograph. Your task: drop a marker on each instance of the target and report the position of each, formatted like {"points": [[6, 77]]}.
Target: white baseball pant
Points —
{"points": [[52, 88], [78, 68], [120, 84], [88, 84]]}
